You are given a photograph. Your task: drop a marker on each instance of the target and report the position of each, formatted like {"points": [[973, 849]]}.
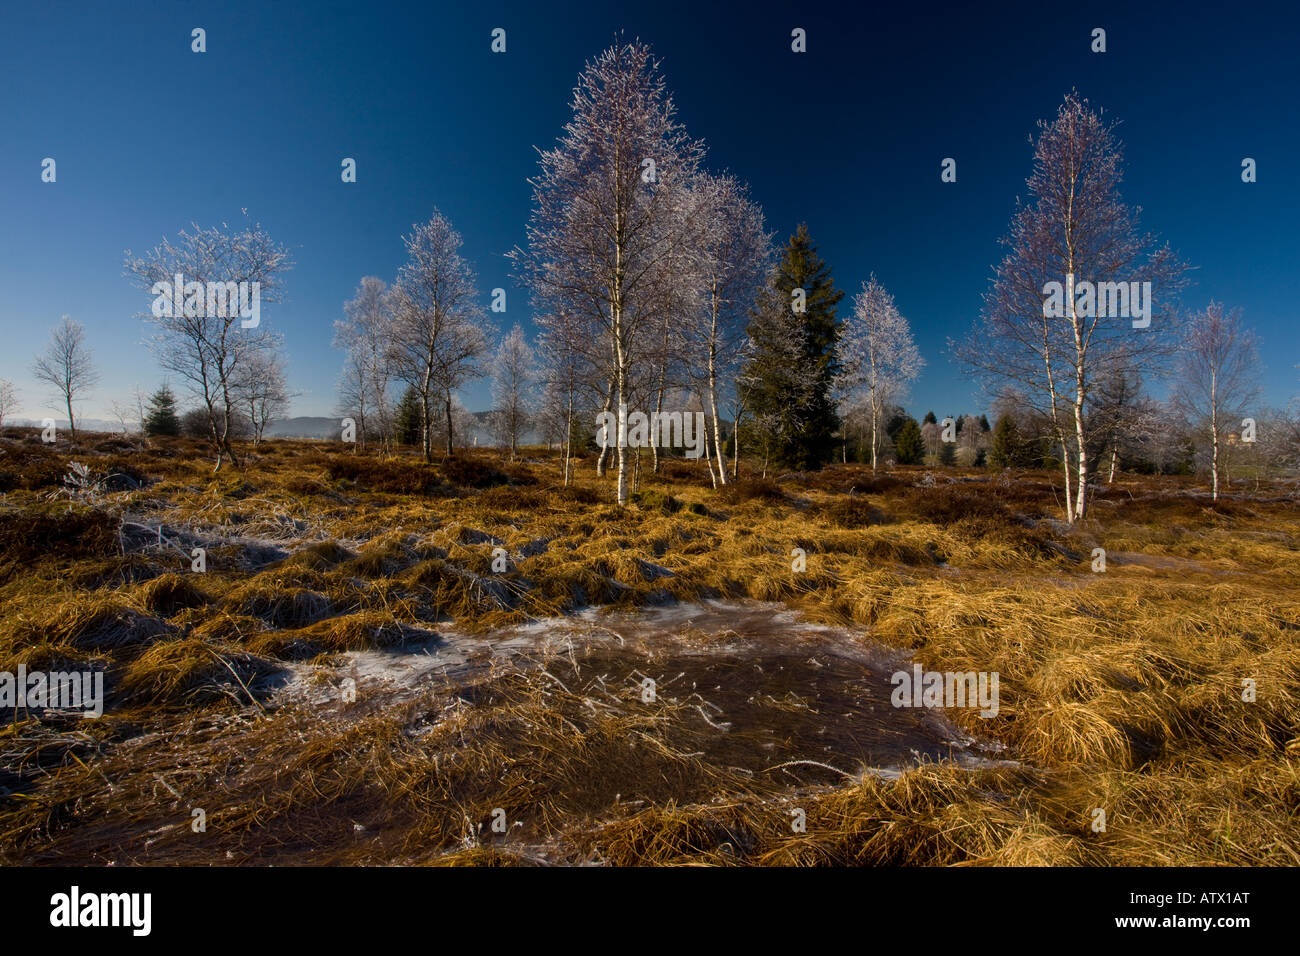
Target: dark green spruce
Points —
{"points": [[786, 384]]}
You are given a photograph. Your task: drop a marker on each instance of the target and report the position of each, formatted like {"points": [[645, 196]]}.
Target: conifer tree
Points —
{"points": [[909, 449], [162, 418], [788, 380], [947, 453], [408, 425], [1005, 450]]}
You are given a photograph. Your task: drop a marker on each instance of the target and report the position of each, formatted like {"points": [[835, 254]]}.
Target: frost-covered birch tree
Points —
{"points": [[365, 333], [608, 219], [354, 397], [879, 359], [66, 366], [8, 400], [514, 383], [263, 389], [437, 335], [570, 372], [206, 340], [1080, 288], [734, 257], [1218, 375]]}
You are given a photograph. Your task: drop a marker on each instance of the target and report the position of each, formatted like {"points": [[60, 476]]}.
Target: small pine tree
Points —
{"points": [[909, 447], [162, 418], [948, 453], [407, 424], [1006, 448], [929, 419]]}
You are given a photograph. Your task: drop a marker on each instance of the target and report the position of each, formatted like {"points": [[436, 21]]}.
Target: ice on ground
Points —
{"points": [[766, 681]]}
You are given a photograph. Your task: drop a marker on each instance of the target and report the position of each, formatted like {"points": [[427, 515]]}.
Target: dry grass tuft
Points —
{"points": [[170, 593]]}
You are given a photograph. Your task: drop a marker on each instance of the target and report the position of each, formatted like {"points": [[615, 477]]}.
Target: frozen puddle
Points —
{"points": [[776, 689]]}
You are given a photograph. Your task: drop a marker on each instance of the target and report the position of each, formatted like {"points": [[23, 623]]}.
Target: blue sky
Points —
{"points": [[848, 137]]}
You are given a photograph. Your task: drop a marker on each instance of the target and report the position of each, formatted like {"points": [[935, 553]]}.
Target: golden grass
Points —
{"points": [[1121, 691]]}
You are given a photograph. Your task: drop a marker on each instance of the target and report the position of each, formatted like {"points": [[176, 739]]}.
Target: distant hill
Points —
{"points": [[83, 424], [481, 433], [304, 426], [310, 426], [301, 426]]}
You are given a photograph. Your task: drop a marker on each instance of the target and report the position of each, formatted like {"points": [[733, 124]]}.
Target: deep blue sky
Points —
{"points": [[848, 137]]}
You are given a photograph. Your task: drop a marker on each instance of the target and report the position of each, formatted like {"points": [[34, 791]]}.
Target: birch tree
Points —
{"points": [[1218, 372], [437, 341], [970, 441], [514, 380], [206, 341], [931, 439], [263, 390], [734, 258], [1115, 288], [664, 368], [1116, 417], [8, 400], [66, 366], [354, 398], [1276, 451], [878, 358], [570, 372], [365, 333], [608, 218]]}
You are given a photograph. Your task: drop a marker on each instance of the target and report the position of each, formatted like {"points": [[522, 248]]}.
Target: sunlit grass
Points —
{"points": [[1120, 690]]}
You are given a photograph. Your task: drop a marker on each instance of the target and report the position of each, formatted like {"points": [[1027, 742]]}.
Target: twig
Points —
{"points": [[237, 678], [810, 763], [723, 726]]}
